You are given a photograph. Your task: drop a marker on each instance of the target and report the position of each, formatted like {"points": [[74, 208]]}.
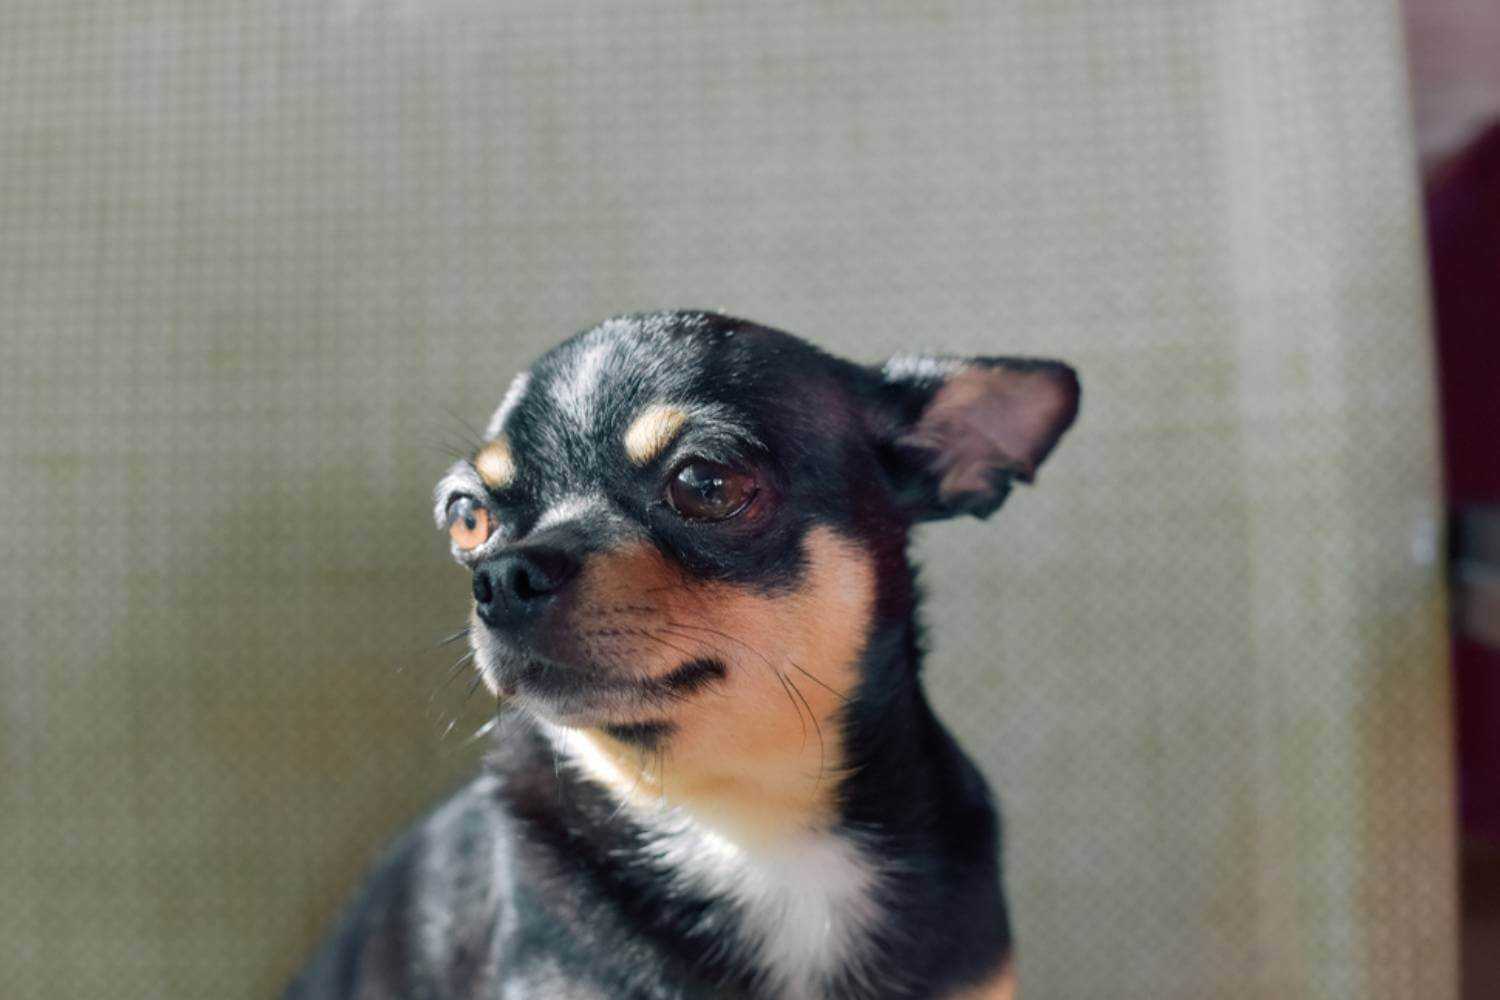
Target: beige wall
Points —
{"points": [[259, 263]]}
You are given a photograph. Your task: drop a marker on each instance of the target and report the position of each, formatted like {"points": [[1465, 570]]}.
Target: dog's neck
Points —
{"points": [[909, 833], [819, 904], [806, 865]]}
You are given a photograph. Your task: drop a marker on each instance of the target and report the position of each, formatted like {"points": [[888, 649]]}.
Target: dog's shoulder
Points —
{"points": [[426, 921]]}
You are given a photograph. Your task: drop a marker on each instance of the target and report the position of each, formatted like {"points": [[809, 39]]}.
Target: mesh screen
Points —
{"points": [[259, 264]]}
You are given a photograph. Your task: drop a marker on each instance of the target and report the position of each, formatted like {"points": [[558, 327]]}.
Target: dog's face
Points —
{"points": [[683, 528]]}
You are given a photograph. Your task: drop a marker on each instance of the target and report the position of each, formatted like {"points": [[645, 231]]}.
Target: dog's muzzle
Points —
{"points": [[513, 590]]}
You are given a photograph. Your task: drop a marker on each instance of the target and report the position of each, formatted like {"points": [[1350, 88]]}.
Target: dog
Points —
{"points": [[718, 775]]}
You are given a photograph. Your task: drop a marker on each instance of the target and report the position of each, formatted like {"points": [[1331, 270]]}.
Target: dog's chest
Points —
{"points": [[804, 907]]}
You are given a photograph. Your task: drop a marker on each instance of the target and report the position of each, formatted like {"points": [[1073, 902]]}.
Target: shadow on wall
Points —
{"points": [[266, 710]]}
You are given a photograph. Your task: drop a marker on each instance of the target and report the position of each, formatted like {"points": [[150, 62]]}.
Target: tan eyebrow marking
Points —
{"points": [[651, 432], [495, 465]]}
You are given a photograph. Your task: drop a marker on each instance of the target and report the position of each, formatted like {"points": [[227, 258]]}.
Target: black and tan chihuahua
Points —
{"points": [[720, 776]]}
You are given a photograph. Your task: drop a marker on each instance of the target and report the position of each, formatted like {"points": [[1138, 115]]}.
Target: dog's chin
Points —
{"points": [[587, 697], [576, 697], [568, 696]]}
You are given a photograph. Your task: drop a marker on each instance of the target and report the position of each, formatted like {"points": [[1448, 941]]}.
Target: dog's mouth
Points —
{"points": [[590, 695]]}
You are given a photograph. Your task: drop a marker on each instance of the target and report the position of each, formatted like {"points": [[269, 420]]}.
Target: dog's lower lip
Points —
{"points": [[566, 687]]}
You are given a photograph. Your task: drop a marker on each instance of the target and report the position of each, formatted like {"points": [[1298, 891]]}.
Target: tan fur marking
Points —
{"points": [[747, 756], [652, 431], [1001, 987], [495, 465]]}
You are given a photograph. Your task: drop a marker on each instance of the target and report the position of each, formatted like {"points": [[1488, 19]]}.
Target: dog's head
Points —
{"points": [[683, 528]]}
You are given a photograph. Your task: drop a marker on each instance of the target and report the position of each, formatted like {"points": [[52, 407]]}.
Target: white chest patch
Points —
{"points": [[806, 902]]}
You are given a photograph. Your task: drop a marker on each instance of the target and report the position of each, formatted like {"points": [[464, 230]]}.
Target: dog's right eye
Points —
{"points": [[469, 524], [708, 491]]}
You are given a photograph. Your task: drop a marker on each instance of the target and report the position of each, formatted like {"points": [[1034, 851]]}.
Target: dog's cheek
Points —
{"points": [[767, 742], [759, 751], [806, 638], [812, 636]]}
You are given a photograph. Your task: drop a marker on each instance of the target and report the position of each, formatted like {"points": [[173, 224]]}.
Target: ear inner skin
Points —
{"points": [[979, 425], [995, 415]]}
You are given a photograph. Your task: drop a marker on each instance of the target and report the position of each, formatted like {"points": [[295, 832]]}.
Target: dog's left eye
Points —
{"points": [[708, 491], [469, 524]]}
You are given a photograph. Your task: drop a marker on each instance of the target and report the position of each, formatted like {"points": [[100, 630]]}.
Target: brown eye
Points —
{"points": [[708, 491], [469, 524]]}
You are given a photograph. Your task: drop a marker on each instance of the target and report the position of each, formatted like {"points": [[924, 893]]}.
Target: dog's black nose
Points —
{"points": [[512, 587]]}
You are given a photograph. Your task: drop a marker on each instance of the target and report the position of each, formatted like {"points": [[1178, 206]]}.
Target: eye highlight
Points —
{"points": [[469, 524], [707, 491]]}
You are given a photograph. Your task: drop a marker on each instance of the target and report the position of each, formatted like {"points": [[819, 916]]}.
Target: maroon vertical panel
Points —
{"points": [[1463, 215]]}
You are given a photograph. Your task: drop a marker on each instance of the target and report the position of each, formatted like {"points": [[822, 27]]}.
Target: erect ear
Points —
{"points": [[955, 432]]}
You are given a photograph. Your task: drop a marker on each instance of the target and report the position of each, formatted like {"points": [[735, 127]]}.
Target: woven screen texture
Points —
{"points": [[261, 263]]}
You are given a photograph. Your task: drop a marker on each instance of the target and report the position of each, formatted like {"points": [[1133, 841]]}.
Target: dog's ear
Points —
{"points": [[955, 432]]}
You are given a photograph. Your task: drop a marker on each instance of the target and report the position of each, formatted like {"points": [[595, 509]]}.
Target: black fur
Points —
{"points": [[534, 877]]}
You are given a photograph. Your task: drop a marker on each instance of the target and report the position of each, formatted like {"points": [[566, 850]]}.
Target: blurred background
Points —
{"points": [[1455, 79], [264, 265]]}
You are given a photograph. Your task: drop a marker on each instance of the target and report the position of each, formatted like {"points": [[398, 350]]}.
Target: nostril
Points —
{"points": [[484, 592], [524, 587]]}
